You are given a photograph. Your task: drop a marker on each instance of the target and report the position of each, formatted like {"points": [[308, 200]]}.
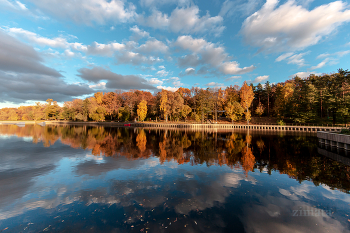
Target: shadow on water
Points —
{"points": [[101, 179]]}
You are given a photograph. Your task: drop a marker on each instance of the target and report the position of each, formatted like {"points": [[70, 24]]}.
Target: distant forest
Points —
{"points": [[315, 99]]}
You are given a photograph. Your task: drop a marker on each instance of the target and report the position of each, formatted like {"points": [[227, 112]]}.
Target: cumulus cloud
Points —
{"points": [[173, 89], [261, 79], [89, 12], [155, 81], [184, 20], [127, 57], [304, 74], [126, 53], [175, 81], [291, 26], [153, 47], [138, 32], [113, 80], [101, 85], [103, 49], [233, 68], [162, 73], [188, 60], [190, 71], [211, 54]]}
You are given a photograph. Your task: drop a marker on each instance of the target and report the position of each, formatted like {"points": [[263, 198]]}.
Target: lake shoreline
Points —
{"points": [[187, 125]]}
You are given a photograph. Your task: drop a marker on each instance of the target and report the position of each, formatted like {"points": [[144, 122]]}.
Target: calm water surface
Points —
{"points": [[99, 179]]}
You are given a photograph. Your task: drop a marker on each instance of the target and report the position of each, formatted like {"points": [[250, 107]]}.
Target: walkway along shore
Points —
{"points": [[155, 125]]}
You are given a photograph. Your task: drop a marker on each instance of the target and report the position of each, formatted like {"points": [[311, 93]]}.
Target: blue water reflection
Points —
{"points": [[57, 187]]}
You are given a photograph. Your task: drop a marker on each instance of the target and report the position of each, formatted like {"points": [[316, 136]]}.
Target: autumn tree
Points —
{"points": [[234, 110], [164, 104], [247, 96], [142, 110], [96, 112], [12, 115], [111, 103], [185, 111], [260, 109]]}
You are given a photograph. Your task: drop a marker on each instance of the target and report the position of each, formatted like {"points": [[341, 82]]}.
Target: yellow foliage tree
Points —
{"points": [[260, 109], [141, 141], [247, 96], [164, 104], [233, 110], [142, 110]]}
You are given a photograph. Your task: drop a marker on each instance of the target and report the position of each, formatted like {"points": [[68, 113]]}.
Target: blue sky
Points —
{"points": [[71, 49]]}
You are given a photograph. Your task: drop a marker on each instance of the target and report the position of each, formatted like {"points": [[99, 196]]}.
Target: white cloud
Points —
{"points": [[173, 89], [101, 85], [162, 73], [292, 58], [127, 57], [330, 58], [155, 81], [15, 5], [323, 55], [233, 68], [126, 53], [321, 64], [304, 74], [211, 54], [89, 11], [153, 46], [69, 53], [290, 26], [57, 42], [297, 59], [261, 79], [21, 5], [184, 20], [190, 71], [103, 49], [342, 53], [139, 32], [283, 56], [176, 81], [161, 67]]}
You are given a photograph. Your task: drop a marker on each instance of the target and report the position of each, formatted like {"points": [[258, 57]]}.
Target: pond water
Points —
{"points": [[105, 179]]}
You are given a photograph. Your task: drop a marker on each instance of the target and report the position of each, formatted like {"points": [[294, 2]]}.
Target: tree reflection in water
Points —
{"points": [[295, 156]]}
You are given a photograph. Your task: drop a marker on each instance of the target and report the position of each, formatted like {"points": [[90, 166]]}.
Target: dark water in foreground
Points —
{"points": [[81, 179]]}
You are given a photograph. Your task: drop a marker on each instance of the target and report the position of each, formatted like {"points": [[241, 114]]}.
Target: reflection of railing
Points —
{"points": [[334, 139], [334, 156]]}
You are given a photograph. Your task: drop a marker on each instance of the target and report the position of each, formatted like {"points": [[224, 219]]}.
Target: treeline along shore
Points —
{"points": [[323, 99]]}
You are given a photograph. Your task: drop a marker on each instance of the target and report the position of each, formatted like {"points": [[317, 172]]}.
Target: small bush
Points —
{"points": [[280, 122]]}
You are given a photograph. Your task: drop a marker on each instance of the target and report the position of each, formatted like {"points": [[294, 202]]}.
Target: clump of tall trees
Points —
{"points": [[314, 99]]}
